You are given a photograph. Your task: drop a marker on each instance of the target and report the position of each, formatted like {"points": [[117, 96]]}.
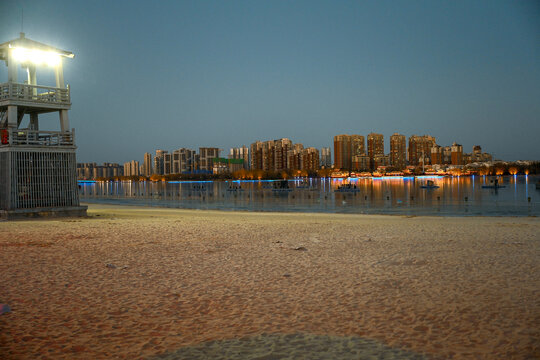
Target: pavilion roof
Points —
{"points": [[24, 42]]}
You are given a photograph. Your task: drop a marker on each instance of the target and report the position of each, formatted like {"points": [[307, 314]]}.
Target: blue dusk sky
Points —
{"points": [[168, 74]]}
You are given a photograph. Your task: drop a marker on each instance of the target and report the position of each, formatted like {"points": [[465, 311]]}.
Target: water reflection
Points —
{"points": [[454, 196]]}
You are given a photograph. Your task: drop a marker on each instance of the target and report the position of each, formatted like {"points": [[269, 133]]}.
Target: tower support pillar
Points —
{"points": [[12, 116], [34, 123], [64, 121]]}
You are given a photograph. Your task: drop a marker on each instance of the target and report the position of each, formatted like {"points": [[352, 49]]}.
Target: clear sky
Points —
{"points": [[168, 74]]}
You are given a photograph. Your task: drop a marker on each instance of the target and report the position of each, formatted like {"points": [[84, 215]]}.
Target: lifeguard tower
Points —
{"points": [[37, 167]]}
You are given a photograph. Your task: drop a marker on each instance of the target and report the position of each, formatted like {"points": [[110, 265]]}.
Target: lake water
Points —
{"points": [[458, 196]]}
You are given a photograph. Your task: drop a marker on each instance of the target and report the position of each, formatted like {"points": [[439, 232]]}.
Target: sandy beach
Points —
{"points": [[131, 283]]}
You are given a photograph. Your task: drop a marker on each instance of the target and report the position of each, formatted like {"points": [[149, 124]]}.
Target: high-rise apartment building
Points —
{"points": [[398, 151], [420, 149], [375, 149], [380, 160], [256, 159], [84, 171], [147, 164], [281, 147], [240, 153], [361, 163], [167, 164], [206, 156], [375, 145], [176, 163], [342, 152], [135, 168], [196, 162], [159, 162], [447, 155], [183, 161], [326, 158], [457, 154], [111, 170], [283, 154], [478, 156], [298, 147], [131, 168], [358, 145], [476, 153], [310, 159], [294, 159], [437, 155], [268, 155], [92, 171], [345, 147]]}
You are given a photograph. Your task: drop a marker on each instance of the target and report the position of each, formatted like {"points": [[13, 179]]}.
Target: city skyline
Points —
{"points": [[385, 139], [214, 74], [363, 142], [351, 152]]}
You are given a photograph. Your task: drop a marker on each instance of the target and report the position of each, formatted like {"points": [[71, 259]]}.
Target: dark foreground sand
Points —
{"points": [[163, 284]]}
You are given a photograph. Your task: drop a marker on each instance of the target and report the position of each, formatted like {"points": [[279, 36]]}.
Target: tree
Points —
{"points": [[484, 170], [513, 170]]}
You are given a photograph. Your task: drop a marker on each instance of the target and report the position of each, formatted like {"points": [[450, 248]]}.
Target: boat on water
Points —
{"points": [[493, 184], [281, 186], [429, 185], [347, 188]]}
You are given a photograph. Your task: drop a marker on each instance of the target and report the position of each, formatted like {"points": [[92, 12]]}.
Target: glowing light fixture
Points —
{"points": [[37, 57]]}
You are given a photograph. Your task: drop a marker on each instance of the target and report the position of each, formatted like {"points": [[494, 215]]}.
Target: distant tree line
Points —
{"points": [[237, 175], [503, 168]]}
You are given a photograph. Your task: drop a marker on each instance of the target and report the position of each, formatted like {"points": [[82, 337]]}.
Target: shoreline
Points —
{"points": [[98, 204], [141, 282], [292, 178]]}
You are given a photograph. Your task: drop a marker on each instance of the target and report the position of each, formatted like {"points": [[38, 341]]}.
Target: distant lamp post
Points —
{"points": [[37, 167]]}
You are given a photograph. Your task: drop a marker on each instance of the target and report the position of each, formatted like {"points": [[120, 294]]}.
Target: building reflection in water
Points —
{"points": [[399, 195]]}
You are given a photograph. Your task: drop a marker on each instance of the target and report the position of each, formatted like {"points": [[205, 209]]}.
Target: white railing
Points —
{"points": [[25, 137], [34, 93]]}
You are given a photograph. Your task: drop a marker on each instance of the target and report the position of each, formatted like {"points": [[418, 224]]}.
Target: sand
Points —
{"points": [[131, 282]]}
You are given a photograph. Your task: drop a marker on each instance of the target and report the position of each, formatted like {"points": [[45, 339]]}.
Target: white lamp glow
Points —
{"points": [[36, 56]]}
